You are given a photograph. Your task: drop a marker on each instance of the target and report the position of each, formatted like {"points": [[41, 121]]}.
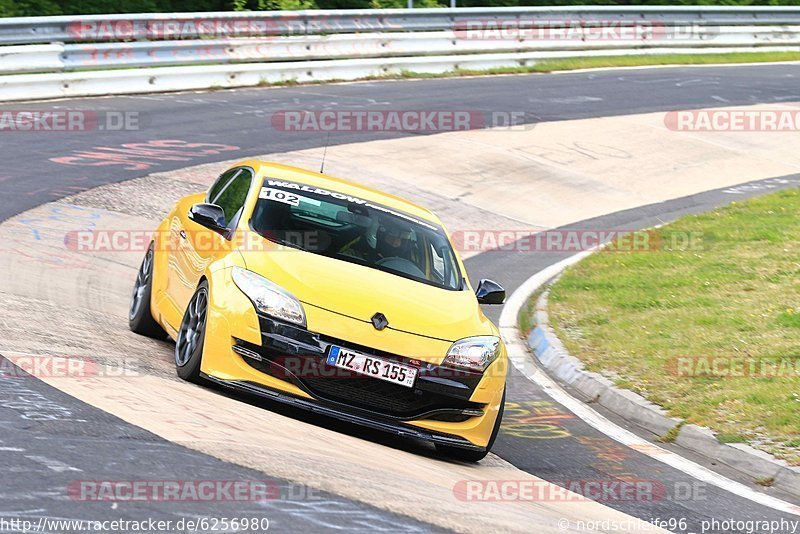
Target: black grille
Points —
{"points": [[311, 373], [380, 396], [371, 394]]}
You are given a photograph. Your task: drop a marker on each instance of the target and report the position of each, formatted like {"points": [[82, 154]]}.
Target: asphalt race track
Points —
{"points": [[241, 118], [39, 167]]}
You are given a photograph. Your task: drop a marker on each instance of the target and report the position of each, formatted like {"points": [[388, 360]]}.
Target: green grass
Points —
{"points": [[672, 433], [527, 314], [734, 295], [767, 482], [553, 65], [731, 438]]}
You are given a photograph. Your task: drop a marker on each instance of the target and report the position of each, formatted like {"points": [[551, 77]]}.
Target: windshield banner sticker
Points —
{"points": [[332, 194]]}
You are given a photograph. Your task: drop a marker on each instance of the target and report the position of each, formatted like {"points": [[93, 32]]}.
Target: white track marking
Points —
{"points": [[521, 359], [54, 465]]}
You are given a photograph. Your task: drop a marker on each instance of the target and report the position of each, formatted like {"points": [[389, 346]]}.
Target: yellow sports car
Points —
{"points": [[329, 296]]}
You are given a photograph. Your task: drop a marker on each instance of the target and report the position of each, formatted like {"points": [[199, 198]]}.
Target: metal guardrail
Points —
{"points": [[138, 27], [375, 45], [273, 42]]}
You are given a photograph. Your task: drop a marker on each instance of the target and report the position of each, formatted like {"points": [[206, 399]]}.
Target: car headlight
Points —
{"points": [[473, 353], [269, 298]]}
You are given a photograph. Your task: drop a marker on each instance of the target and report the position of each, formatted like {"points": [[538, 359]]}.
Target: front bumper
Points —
{"points": [[321, 408], [296, 355], [292, 362], [236, 333]]}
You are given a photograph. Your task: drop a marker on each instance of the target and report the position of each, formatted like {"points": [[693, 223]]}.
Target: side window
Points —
{"points": [[219, 185], [233, 196], [441, 267], [438, 263]]}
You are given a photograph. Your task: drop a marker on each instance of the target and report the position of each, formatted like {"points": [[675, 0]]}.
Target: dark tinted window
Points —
{"points": [[232, 196], [355, 230]]}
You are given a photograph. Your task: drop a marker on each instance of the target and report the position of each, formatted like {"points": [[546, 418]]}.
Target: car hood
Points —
{"points": [[360, 292]]}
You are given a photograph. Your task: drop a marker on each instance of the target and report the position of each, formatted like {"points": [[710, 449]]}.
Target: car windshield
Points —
{"points": [[352, 229]]}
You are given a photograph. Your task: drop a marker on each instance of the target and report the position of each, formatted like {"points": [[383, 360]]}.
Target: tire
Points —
{"points": [[191, 336], [466, 455], [140, 320]]}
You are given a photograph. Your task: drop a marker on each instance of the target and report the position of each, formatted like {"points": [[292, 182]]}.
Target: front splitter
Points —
{"points": [[319, 408]]}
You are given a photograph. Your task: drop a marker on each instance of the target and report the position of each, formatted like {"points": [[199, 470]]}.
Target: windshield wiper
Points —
{"points": [[285, 243]]}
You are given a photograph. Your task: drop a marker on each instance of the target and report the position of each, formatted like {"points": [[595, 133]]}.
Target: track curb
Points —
{"points": [[551, 354]]}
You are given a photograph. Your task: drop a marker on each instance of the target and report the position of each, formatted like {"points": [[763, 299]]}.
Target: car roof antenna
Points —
{"points": [[324, 153]]}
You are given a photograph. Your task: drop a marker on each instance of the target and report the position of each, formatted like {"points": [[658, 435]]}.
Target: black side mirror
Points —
{"points": [[490, 292], [210, 216]]}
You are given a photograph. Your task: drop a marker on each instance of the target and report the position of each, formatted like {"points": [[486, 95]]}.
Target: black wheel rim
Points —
{"points": [[192, 329], [142, 282]]}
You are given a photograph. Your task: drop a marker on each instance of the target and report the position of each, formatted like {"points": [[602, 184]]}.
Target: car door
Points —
{"points": [[196, 246]]}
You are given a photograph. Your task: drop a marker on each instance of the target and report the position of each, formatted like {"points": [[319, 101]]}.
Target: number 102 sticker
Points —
{"points": [[279, 196]]}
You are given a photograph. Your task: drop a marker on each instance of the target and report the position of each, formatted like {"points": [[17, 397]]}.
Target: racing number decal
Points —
{"points": [[277, 195]]}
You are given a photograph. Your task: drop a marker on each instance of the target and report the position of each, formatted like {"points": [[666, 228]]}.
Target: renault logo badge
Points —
{"points": [[379, 321]]}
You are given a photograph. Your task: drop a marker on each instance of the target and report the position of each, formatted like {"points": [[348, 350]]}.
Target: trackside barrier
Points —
{"points": [[47, 57]]}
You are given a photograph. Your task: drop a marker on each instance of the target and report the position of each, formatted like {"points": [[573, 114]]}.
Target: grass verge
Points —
{"points": [[709, 331], [553, 65]]}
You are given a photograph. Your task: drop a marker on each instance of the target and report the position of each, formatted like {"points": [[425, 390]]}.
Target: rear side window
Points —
{"points": [[220, 184], [232, 195]]}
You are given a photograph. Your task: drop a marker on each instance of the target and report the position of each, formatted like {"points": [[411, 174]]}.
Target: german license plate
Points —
{"points": [[367, 365]]}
